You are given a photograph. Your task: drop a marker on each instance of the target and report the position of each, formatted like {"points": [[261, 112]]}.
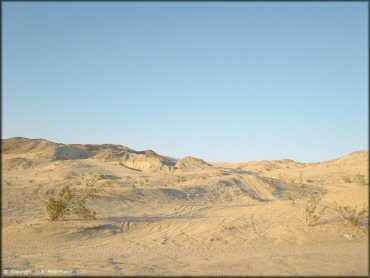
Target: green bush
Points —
{"points": [[352, 215], [83, 211], [313, 215], [58, 207]]}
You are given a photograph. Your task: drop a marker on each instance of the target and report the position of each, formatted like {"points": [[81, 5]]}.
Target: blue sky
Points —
{"points": [[221, 81]]}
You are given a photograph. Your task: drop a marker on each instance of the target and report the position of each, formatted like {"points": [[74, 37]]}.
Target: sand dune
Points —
{"points": [[158, 215]]}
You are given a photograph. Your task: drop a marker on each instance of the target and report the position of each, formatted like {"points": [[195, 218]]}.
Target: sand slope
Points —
{"points": [[162, 216]]}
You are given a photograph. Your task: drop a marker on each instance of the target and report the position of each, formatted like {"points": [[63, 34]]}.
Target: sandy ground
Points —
{"points": [[162, 216]]}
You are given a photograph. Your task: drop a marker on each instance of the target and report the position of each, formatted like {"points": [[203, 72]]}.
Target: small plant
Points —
{"points": [[300, 179], [313, 215], [253, 197], [291, 198], [361, 180], [91, 191], [181, 179], [352, 215], [271, 184], [347, 179], [83, 211], [59, 206], [282, 178]]}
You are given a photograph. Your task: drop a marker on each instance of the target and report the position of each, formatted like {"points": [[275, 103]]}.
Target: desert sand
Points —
{"points": [[158, 215]]}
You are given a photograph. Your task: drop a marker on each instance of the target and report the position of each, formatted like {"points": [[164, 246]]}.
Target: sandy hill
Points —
{"points": [[157, 215], [191, 162], [23, 148]]}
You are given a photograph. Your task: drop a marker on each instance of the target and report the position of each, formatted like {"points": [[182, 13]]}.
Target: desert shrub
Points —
{"points": [[361, 180], [59, 206], [300, 179], [347, 179], [290, 197], [271, 185], [83, 211], [56, 208], [252, 196], [181, 179], [282, 178], [313, 214], [352, 214], [91, 191]]}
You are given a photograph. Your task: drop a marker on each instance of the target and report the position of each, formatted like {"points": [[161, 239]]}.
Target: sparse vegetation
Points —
{"points": [[253, 197], [361, 180], [313, 215], [300, 179], [181, 179], [290, 197], [352, 214], [61, 205], [347, 179], [57, 207], [282, 178], [271, 184], [83, 211]]}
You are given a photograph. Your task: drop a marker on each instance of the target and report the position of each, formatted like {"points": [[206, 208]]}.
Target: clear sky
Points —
{"points": [[220, 81]]}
